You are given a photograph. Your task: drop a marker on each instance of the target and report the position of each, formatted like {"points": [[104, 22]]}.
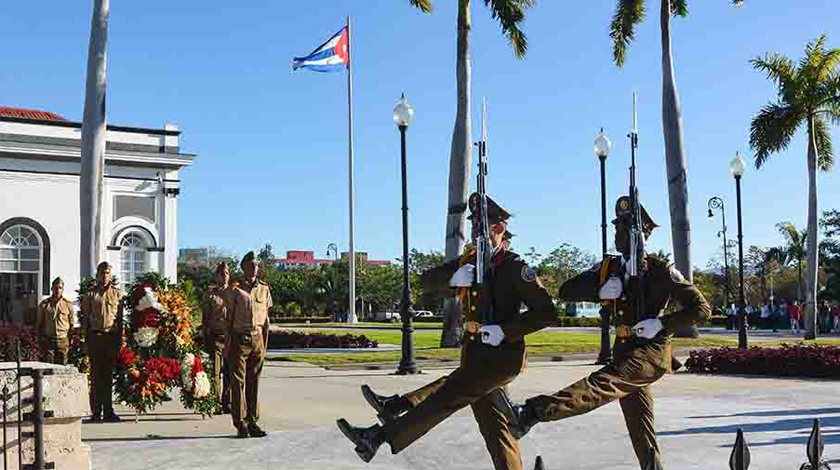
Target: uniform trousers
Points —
{"points": [[245, 360], [102, 351], [214, 344], [483, 370], [54, 350], [627, 380]]}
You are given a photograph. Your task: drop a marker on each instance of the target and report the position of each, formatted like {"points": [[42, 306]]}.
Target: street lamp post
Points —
{"points": [[717, 203], [737, 167], [403, 113], [602, 150]]}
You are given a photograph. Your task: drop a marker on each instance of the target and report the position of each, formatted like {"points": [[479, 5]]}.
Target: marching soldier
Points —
{"points": [[642, 352], [248, 340], [492, 356], [53, 322], [102, 322], [214, 323]]}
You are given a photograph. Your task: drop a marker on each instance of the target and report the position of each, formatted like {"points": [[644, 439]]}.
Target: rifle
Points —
{"points": [[483, 250], [637, 237]]}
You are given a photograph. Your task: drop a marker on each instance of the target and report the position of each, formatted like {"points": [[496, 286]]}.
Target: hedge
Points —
{"points": [[303, 340], [788, 360]]}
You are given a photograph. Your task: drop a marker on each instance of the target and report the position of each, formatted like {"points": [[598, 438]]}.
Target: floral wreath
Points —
{"points": [[158, 352]]}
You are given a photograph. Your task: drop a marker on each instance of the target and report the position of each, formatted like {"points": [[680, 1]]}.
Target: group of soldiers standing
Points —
{"points": [[235, 328]]}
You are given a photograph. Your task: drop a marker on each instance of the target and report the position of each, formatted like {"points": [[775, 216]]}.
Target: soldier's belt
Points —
{"points": [[623, 331]]}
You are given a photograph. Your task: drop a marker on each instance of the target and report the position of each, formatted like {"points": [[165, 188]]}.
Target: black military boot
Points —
{"points": [[366, 440], [521, 418], [387, 408]]}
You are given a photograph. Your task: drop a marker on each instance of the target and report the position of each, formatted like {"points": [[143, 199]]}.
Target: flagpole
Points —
{"points": [[351, 317]]}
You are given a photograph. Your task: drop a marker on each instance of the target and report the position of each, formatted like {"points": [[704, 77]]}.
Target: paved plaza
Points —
{"points": [[696, 419]]}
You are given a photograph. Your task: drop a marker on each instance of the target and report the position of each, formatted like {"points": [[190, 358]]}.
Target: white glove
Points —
{"points": [[463, 277], [491, 334], [611, 289], [648, 328]]}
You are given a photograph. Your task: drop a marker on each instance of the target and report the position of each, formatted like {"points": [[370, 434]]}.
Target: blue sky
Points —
{"points": [[272, 144]]}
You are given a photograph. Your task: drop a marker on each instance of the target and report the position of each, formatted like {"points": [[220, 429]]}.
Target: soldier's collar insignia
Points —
{"points": [[528, 274]]}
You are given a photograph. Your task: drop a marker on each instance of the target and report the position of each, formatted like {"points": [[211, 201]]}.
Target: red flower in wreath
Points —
{"points": [[166, 368], [126, 358], [196, 368]]}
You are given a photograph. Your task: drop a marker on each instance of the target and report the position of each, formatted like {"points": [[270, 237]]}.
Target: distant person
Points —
{"points": [[102, 324], [795, 317], [214, 323], [53, 322], [248, 325], [824, 317], [732, 317], [835, 312], [766, 320]]}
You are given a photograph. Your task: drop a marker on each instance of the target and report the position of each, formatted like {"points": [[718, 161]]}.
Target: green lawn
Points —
{"points": [[538, 344], [375, 324]]}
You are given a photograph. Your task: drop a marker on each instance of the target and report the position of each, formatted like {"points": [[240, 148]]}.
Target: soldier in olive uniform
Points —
{"points": [[248, 326], [214, 323], [102, 312], [492, 356], [53, 322], [642, 353]]}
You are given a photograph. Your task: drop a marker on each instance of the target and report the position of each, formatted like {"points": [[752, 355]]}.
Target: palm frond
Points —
{"points": [[827, 65], [778, 68], [773, 129], [423, 5], [510, 14], [825, 150], [738, 3], [679, 8], [628, 14]]}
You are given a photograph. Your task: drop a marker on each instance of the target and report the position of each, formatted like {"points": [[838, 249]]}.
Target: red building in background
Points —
{"points": [[302, 259]]}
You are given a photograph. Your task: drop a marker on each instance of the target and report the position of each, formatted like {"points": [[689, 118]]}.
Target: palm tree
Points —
{"points": [[809, 94], [629, 13], [93, 142], [796, 249], [509, 13]]}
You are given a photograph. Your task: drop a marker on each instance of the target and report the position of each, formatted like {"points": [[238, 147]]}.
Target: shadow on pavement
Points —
{"points": [[759, 414], [155, 438]]}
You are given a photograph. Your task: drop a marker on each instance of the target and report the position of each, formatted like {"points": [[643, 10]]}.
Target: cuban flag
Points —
{"points": [[331, 56]]}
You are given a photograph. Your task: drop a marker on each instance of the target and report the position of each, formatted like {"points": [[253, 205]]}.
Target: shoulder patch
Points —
{"points": [[528, 274], [677, 276]]}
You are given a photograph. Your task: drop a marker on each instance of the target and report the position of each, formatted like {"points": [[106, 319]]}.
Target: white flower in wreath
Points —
{"points": [[202, 385], [149, 300], [146, 336]]}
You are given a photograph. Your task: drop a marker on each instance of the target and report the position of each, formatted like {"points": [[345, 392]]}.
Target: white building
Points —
{"points": [[39, 204]]}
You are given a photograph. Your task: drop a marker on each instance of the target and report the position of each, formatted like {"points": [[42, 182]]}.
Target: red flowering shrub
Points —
{"points": [[789, 360], [10, 333], [300, 340]]}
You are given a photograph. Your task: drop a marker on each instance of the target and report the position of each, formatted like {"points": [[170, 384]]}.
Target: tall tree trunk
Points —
{"points": [[675, 159], [811, 273], [460, 159], [93, 143]]}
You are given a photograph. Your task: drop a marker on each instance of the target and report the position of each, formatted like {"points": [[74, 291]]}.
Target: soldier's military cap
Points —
{"points": [[248, 258], [495, 212], [58, 280], [622, 209]]}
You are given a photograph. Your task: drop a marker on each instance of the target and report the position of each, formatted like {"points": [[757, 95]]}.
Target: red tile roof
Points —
{"points": [[30, 114]]}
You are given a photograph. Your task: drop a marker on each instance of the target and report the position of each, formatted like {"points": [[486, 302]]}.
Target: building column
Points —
{"points": [[168, 264]]}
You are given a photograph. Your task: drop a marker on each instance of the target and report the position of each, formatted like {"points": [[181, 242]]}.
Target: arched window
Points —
{"points": [[20, 250], [21, 255], [132, 258]]}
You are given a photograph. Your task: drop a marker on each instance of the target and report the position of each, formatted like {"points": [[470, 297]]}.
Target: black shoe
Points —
{"points": [[387, 409], [95, 418], [242, 433], [521, 418], [256, 431], [226, 409], [367, 440], [112, 418]]}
